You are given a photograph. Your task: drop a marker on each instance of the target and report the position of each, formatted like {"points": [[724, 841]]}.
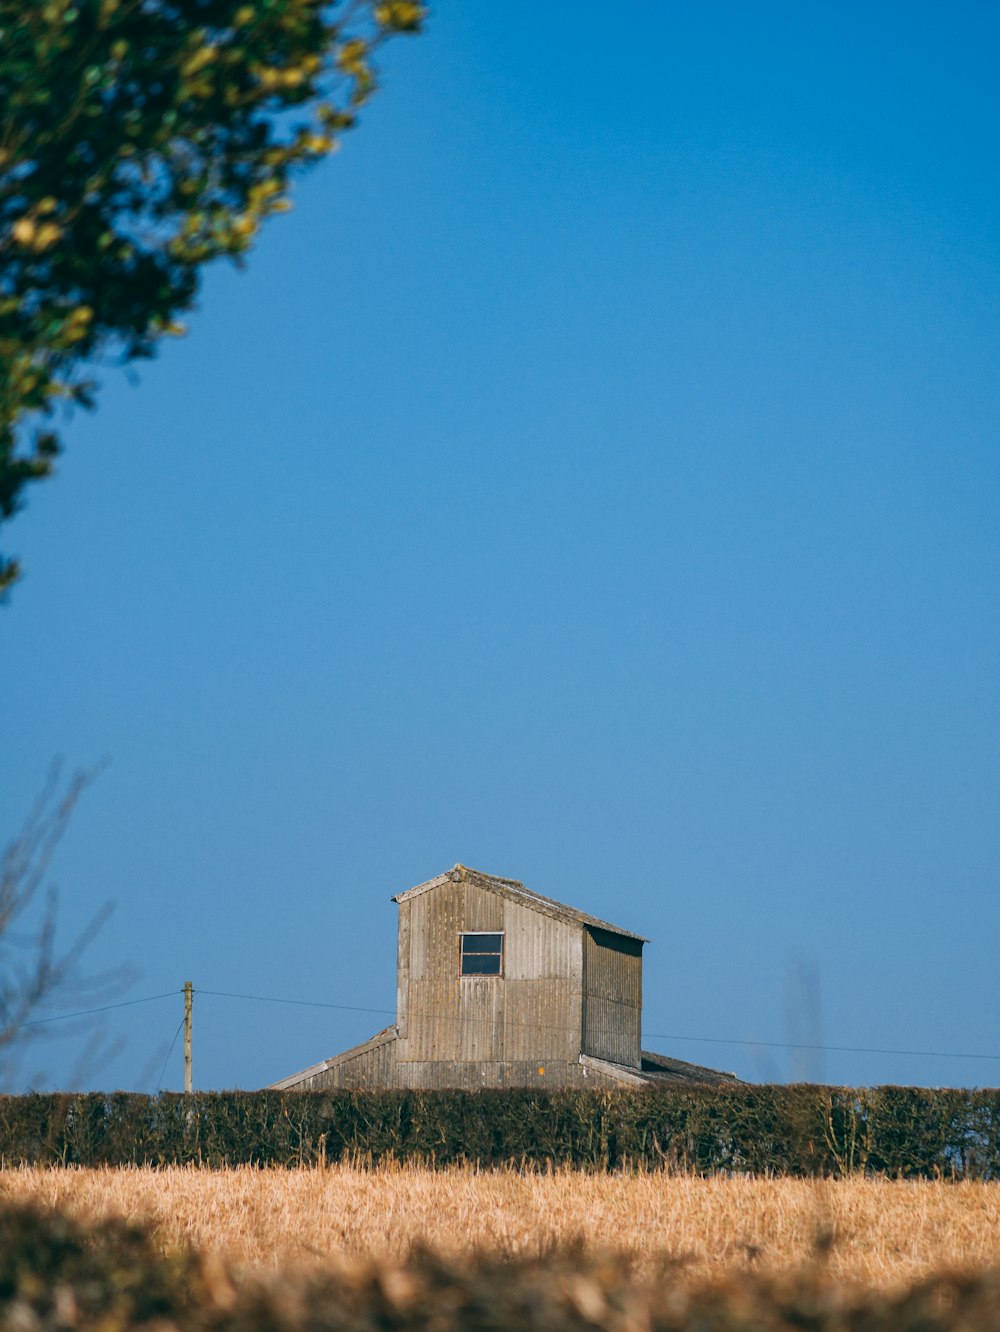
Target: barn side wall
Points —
{"points": [[475, 1031], [553, 1075], [612, 997], [378, 1069]]}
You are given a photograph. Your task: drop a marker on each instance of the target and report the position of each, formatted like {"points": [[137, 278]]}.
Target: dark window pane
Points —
{"points": [[482, 943], [481, 964]]}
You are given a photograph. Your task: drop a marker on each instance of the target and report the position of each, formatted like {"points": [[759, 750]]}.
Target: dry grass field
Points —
{"points": [[881, 1233]]}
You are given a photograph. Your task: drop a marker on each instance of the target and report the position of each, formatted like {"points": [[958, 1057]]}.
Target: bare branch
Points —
{"points": [[34, 969]]}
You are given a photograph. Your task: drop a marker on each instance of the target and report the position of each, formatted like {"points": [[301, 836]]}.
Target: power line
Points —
{"points": [[302, 1003], [802, 1045], [103, 1008], [650, 1036], [159, 1080]]}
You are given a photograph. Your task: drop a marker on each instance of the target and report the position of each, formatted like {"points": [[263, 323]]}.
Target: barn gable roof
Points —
{"points": [[515, 891]]}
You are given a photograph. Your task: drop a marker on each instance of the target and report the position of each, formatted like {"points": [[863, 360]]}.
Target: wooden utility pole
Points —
{"points": [[188, 1005]]}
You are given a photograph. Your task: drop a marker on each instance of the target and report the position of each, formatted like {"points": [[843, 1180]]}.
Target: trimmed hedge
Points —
{"points": [[903, 1132]]}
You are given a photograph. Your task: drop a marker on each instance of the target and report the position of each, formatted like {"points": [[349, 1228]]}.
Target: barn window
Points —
{"points": [[482, 954]]}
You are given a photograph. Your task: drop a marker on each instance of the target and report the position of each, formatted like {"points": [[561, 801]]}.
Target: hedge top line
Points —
{"points": [[799, 1129]]}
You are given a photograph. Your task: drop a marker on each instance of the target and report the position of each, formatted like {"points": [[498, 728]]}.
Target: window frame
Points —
{"points": [[481, 975]]}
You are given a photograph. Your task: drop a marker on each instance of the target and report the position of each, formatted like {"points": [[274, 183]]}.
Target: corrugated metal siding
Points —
{"points": [[403, 968], [420, 910], [451, 1018], [544, 970], [542, 1020], [435, 1076], [433, 1007], [613, 966], [433, 1020], [538, 946], [444, 919], [483, 911], [376, 1067], [612, 1031], [532, 1013], [480, 1032], [612, 997], [554, 1074]]}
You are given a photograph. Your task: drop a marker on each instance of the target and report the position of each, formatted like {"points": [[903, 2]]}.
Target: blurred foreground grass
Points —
{"points": [[875, 1232], [108, 1276]]}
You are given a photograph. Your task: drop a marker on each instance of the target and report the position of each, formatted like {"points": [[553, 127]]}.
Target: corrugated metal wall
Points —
{"points": [[378, 1068], [612, 996], [529, 1015], [374, 1067], [553, 1074]]}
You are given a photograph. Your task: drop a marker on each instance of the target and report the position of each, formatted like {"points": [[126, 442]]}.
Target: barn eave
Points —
{"points": [[515, 891]]}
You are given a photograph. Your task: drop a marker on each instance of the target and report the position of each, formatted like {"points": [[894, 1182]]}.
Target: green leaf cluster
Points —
{"points": [[140, 140]]}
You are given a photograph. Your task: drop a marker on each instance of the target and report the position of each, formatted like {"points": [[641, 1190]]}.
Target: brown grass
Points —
{"points": [[881, 1233]]}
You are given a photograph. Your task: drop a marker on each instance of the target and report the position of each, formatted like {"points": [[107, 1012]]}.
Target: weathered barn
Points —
{"points": [[499, 986]]}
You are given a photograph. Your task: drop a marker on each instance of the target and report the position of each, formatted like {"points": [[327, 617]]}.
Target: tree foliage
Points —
{"points": [[139, 140]]}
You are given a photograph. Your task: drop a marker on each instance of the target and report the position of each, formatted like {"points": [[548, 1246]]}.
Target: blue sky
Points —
{"points": [[593, 480]]}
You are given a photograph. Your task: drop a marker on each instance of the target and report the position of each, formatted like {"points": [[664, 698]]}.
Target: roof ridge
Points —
{"points": [[497, 878], [562, 910], [533, 895]]}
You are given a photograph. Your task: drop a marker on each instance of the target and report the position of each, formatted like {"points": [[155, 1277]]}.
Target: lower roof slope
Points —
{"points": [[662, 1070]]}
